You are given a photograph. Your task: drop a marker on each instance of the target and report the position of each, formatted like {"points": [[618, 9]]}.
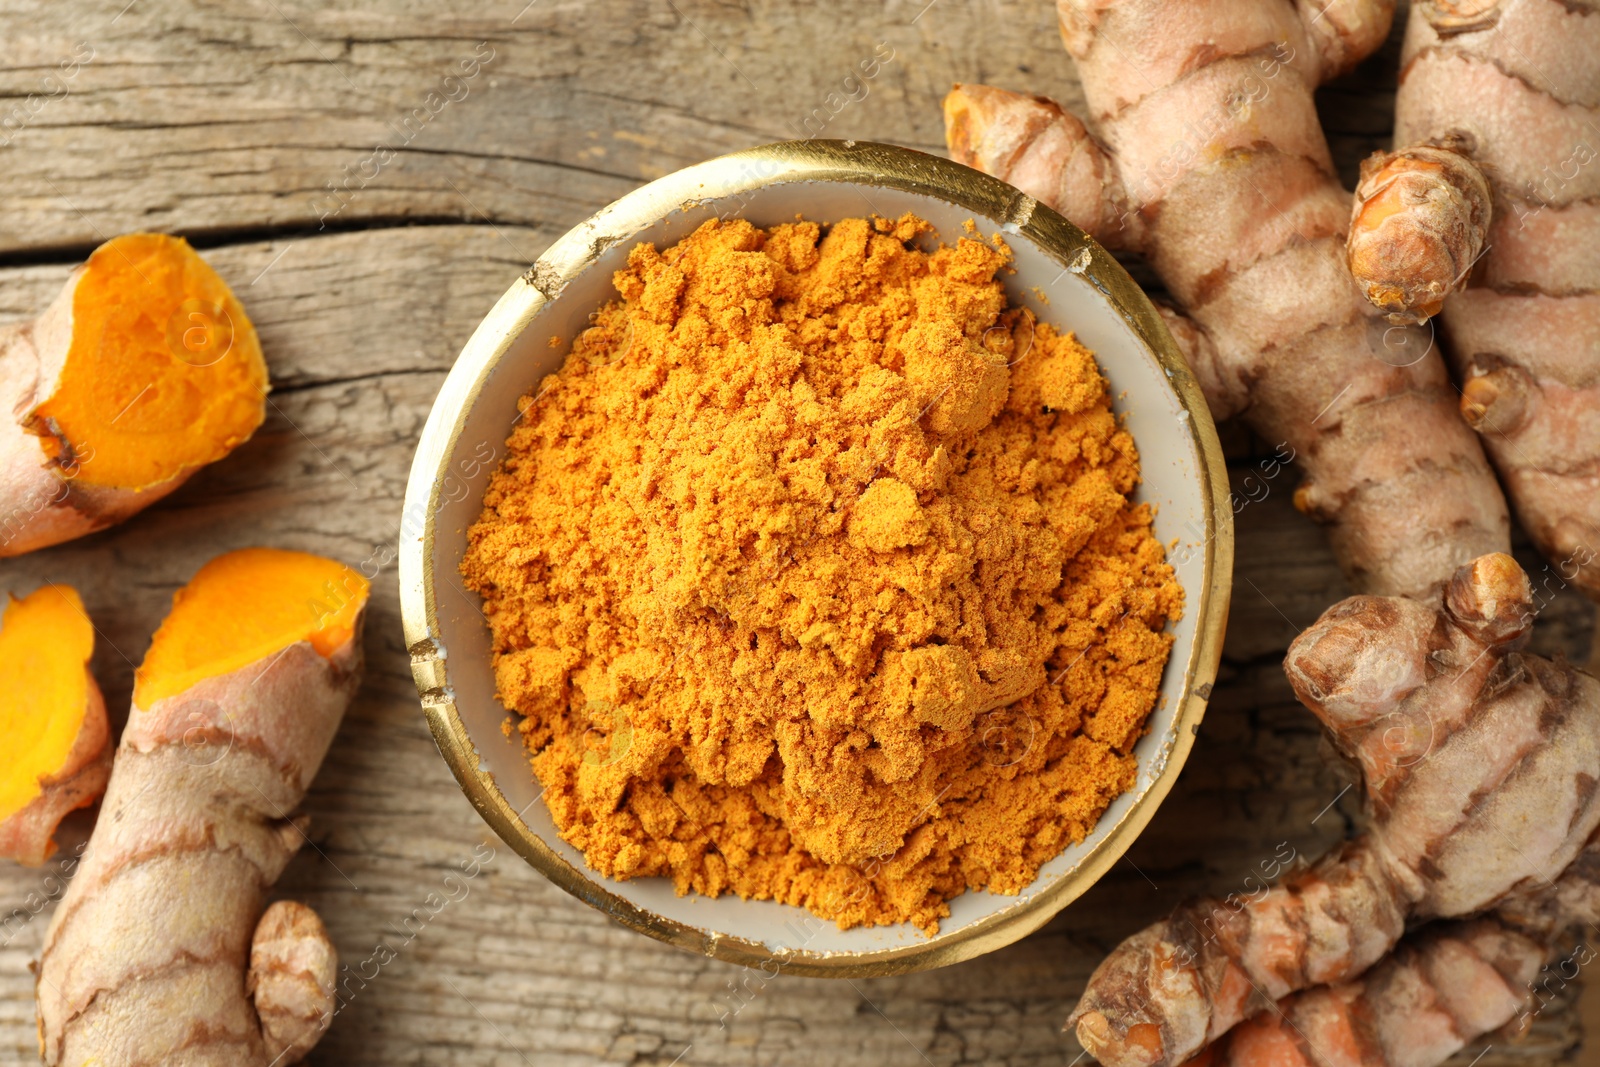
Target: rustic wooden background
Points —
{"points": [[227, 123]]}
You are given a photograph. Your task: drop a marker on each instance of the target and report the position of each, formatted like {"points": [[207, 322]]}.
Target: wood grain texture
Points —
{"points": [[226, 122]]}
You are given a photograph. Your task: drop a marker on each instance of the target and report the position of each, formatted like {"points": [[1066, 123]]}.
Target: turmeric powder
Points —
{"points": [[813, 576]]}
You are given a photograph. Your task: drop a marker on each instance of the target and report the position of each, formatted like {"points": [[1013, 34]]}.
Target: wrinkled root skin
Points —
{"points": [[1420, 221], [1504, 96], [1439, 990], [1464, 741], [1168, 991], [293, 967]]}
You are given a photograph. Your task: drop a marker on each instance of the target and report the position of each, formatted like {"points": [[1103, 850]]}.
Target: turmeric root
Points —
{"points": [[1479, 763], [1443, 987], [143, 370], [233, 710], [1494, 196], [292, 971], [1210, 162], [57, 742]]}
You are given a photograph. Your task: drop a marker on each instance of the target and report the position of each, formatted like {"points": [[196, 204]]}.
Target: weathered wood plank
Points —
{"points": [[220, 119]]}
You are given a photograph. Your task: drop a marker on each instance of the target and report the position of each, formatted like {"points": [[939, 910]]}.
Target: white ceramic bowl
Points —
{"points": [[1087, 292]]}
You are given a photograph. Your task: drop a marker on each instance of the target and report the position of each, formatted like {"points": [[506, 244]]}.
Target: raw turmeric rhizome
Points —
{"points": [[813, 577]]}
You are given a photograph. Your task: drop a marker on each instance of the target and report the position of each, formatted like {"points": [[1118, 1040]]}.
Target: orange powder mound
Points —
{"points": [[813, 577]]}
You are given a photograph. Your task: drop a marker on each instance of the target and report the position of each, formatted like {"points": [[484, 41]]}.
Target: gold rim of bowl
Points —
{"points": [[867, 164]]}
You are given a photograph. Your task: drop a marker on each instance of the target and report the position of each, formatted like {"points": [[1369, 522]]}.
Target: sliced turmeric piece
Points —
{"points": [[244, 606], [162, 941], [144, 369], [57, 754]]}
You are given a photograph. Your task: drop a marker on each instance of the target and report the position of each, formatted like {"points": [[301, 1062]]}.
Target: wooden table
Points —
{"points": [[230, 123]]}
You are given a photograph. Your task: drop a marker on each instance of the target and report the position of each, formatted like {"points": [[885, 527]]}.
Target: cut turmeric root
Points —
{"points": [[143, 370], [243, 607], [234, 708], [57, 752]]}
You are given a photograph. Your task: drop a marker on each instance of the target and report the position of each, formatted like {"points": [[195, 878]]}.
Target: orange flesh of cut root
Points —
{"points": [[245, 606], [164, 373], [45, 643]]}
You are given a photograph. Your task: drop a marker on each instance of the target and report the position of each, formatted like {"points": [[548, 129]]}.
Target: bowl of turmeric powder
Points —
{"points": [[819, 560]]}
